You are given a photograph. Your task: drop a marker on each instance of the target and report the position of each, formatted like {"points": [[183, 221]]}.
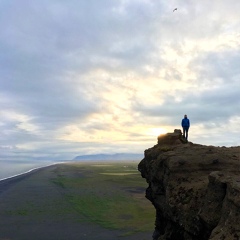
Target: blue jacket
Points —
{"points": [[185, 122]]}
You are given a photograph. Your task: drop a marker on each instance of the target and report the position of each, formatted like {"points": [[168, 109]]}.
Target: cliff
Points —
{"points": [[195, 189]]}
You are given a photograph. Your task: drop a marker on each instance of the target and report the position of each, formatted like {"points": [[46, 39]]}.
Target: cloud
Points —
{"points": [[97, 76]]}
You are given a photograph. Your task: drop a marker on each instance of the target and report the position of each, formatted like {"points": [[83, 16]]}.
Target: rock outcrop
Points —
{"points": [[195, 189]]}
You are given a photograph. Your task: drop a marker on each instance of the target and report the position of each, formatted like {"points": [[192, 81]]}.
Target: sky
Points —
{"points": [[108, 76]]}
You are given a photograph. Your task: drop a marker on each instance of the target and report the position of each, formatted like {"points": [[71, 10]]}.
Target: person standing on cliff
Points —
{"points": [[185, 126]]}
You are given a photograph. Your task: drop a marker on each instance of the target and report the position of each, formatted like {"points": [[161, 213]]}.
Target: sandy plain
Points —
{"points": [[41, 205]]}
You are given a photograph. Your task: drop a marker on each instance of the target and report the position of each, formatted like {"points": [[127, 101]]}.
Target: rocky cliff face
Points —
{"points": [[194, 188]]}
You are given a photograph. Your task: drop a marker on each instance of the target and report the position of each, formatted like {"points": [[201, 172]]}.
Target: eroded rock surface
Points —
{"points": [[194, 188]]}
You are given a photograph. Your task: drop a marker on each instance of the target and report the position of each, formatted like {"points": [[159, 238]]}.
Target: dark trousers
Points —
{"points": [[185, 132]]}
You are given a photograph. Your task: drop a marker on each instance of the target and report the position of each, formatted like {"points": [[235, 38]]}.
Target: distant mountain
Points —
{"points": [[110, 157]]}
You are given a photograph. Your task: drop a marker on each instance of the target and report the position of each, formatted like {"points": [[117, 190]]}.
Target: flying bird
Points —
{"points": [[175, 9]]}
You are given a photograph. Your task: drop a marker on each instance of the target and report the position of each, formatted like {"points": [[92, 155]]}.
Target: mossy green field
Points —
{"points": [[81, 199], [111, 194]]}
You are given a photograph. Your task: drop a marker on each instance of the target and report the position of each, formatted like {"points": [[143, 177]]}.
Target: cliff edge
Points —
{"points": [[195, 189]]}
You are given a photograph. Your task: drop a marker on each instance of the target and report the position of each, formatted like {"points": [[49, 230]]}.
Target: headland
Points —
{"points": [[195, 189]]}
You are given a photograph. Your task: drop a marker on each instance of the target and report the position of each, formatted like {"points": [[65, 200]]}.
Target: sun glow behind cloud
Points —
{"points": [[98, 76], [157, 131]]}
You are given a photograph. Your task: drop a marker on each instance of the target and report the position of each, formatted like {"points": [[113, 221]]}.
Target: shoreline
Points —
{"points": [[29, 171], [68, 161], [6, 183]]}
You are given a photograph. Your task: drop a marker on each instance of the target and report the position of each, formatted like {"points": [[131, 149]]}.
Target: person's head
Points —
{"points": [[185, 116]]}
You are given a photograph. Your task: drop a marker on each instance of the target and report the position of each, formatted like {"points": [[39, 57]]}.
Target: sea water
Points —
{"points": [[11, 168]]}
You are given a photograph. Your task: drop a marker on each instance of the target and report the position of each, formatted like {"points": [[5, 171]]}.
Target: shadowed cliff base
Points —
{"points": [[195, 189]]}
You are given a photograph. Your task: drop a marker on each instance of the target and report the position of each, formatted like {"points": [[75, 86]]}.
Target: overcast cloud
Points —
{"points": [[84, 77]]}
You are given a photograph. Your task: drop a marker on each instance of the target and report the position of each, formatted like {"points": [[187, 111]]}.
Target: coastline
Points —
{"points": [[29, 171], [5, 183]]}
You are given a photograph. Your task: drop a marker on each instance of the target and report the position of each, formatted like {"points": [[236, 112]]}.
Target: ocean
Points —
{"points": [[11, 168]]}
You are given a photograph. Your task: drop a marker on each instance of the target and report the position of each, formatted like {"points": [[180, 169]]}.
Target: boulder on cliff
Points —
{"points": [[195, 189]]}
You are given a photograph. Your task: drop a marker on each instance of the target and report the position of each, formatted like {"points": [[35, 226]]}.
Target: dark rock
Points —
{"points": [[194, 188], [215, 161]]}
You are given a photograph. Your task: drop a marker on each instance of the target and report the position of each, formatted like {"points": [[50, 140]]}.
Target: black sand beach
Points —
{"points": [[33, 207]]}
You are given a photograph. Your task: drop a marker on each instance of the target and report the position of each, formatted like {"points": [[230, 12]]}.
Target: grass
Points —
{"points": [[111, 195]]}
